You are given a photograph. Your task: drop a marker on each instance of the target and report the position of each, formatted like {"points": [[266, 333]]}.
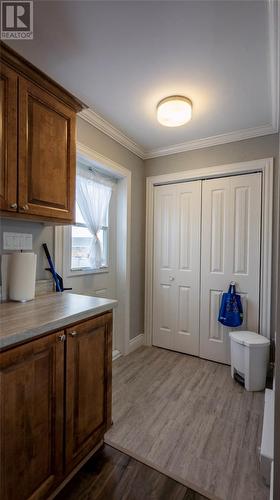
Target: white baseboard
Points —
{"points": [[116, 354], [135, 342]]}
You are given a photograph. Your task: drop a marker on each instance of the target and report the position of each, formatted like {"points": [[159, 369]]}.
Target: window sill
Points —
{"points": [[83, 272]]}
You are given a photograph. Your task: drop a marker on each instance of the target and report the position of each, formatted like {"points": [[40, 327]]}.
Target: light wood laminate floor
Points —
{"points": [[187, 418]]}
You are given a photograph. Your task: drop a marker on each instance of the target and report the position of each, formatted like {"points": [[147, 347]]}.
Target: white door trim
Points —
{"points": [[266, 167], [123, 244]]}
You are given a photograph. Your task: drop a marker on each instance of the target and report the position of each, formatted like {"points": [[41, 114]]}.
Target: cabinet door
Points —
{"points": [[31, 425], [47, 154], [8, 139], [88, 386]]}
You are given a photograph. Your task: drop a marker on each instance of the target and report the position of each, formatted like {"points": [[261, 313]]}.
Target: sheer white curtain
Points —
{"points": [[93, 198]]}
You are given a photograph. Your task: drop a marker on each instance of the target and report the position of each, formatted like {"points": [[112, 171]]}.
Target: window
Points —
{"points": [[82, 240], [89, 236]]}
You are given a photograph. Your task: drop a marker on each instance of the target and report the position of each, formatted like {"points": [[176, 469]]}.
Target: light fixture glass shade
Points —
{"points": [[174, 111]]}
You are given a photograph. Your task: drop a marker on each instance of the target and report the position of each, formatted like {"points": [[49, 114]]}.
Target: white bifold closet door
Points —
{"points": [[230, 251], [206, 234], [177, 214]]}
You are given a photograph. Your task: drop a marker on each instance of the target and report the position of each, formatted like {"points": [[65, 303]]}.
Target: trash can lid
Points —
{"points": [[249, 339]]}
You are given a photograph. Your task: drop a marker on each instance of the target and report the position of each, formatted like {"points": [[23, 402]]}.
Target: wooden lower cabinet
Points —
{"points": [[31, 426], [55, 406], [88, 388]]}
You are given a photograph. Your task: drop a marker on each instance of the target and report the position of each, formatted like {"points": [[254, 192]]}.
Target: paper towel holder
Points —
{"points": [[22, 276]]}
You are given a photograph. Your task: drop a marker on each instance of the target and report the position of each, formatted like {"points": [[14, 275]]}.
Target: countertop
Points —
{"points": [[20, 322]]}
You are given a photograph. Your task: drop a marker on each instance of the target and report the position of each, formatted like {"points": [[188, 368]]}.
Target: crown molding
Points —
{"points": [[101, 124], [238, 135], [206, 142], [216, 140]]}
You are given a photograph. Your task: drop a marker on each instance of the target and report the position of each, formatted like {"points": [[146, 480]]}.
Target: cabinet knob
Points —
{"points": [[73, 334], [13, 205], [25, 207], [61, 337]]}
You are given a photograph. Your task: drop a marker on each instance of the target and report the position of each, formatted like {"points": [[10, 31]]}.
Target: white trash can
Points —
{"points": [[249, 353]]}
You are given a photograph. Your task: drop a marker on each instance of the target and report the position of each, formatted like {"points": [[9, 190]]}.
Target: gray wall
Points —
{"points": [[251, 149]]}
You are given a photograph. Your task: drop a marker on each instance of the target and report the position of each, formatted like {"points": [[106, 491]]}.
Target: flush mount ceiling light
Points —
{"points": [[174, 111]]}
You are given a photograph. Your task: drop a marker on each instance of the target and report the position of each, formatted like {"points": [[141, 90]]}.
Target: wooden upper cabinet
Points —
{"points": [[88, 386], [37, 141], [8, 139], [31, 425], [47, 154]]}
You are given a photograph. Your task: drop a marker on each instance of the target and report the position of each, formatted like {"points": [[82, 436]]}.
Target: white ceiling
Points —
{"points": [[121, 58]]}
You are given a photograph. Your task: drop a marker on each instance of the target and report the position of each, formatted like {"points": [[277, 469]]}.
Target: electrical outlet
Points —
{"points": [[17, 241]]}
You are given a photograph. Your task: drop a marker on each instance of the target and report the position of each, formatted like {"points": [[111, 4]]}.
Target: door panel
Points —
{"points": [[187, 273], [47, 156], [32, 395], [185, 248], [184, 310], [241, 230], [218, 230], [231, 229], [88, 390], [164, 266], [8, 139], [176, 266]]}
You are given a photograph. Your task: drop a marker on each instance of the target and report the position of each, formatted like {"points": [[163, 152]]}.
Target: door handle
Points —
{"points": [[73, 334], [171, 278], [61, 337]]}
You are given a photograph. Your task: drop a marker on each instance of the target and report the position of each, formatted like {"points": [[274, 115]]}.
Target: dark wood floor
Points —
{"points": [[112, 475]]}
